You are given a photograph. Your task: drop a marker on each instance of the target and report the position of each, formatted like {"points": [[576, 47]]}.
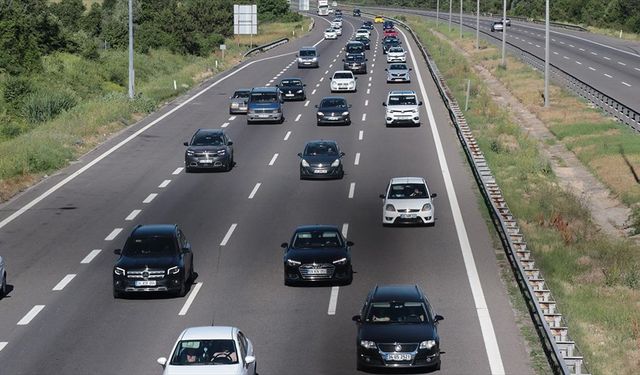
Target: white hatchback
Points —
{"points": [[396, 54], [343, 80], [330, 33], [407, 201], [363, 32], [214, 350]]}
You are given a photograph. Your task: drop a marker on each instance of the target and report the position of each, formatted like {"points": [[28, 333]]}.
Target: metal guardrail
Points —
{"points": [[562, 353], [267, 46], [613, 107]]}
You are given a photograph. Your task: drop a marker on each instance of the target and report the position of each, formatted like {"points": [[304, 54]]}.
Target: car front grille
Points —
{"points": [[400, 111], [393, 347], [317, 271], [260, 110], [409, 210], [205, 154], [145, 274]]}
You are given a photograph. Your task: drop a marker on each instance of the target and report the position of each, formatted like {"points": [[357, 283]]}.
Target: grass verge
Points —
{"points": [[595, 278], [31, 149]]}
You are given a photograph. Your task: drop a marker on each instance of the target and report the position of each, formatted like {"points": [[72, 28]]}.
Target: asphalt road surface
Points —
{"points": [[58, 237]]}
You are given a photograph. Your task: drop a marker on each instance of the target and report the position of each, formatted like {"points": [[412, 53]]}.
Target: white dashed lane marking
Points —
{"points": [[298, 117], [368, 91], [607, 75], [360, 135], [273, 159], [366, 102], [190, 299], [357, 161], [2, 345], [578, 62], [286, 136], [626, 84], [317, 85], [352, 190], [592, 68], [313, 92], [92, 254], [321, 79], [30, 315], [364, 116], [333, 300], [581, 49], [164, 184], [132, 215], [638, 69], [232, 118], [326, 72], [621, 63], [150, 198], [177, 171], [65, 280], [228, 235], [606, 58], [593, 53], [555, 53], [114, 233], [255, 190], [225, 124], [307, 103]]}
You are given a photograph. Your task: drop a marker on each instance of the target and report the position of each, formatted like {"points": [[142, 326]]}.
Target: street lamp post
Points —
{"points": [[504, 33], [478, 24], [131, 72], [460, 19], [450, 9], [546, 55], [437, 12]]}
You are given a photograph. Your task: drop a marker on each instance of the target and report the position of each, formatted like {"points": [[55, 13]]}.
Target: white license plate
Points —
{"points": [[408, 216], [317, 271], [398, 357], [320, 171], [146, 283], [288, 94], [333, 118], [206, 161], [263, 116]]}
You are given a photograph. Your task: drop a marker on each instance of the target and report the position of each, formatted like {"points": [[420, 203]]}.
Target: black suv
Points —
{"points": [[388, 42], [209, 149], [155, 258], [364, 40], [356, 12], [292, 89], [317, 253], [397, 328], [356, 63]]}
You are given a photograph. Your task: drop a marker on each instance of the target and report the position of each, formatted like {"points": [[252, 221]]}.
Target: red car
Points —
{"points": [[391, 32]]}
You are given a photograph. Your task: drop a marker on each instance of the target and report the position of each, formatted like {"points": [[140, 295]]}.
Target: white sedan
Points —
{"points": [[407, 201], [3, 278], [343, 80], [396, 54], [330, 33], [211, 350]]}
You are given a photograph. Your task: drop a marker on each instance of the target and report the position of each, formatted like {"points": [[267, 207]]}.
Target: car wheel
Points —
{"points": [[188, 169], [3, 287], [248, 122], [183, 289], [341, 175], [116, 294]]}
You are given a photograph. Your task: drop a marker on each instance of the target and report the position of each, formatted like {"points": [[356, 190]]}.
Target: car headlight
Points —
{"points": [[314, 59], [119, 271], [367, 344], [173, 270], [292, 262], [346, 113], [222, 152], [320, 114], [427, 207], [390, 207], [427, 344], [234, 105], [299, 92], [299, 59], [190, 152], [305, 164], [335, 163], [340, 262]]}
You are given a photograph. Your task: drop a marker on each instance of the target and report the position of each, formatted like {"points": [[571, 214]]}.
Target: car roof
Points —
{"points": [[320, 141], [304, 228], [208, 332], [308, 48], [408, 180], [264, 89], [334, 97], [291, 79], [396, 293], [402, 92], [210, 131], [342, 71], [154, 229], [243, 90]]}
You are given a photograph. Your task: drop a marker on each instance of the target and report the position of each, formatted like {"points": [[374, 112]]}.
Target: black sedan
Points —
{"points": [[209, 149], [367, 25], [292, 89], [397, 328], [155, 258], [333, 110], [317, 253], [356, 63], [364, 40], [321, 160], [390, 42]]}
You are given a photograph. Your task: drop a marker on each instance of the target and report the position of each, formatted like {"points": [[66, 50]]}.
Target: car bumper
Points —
{"points": [[329, 37], [238, 110], [343, 88], [421, 360], [264, 117], [414, 120], [331, 120], [307, 64], [391, 59], [343, 273], [357, 70], [166, 284], [294, 96], [422, 217], [398, 79], [194, 162], [321, 173]]}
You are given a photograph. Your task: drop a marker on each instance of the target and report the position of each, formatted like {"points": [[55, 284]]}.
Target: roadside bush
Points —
{"points": [[15, 89], [45, 105]]}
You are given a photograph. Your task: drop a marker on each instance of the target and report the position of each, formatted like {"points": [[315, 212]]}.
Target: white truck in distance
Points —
{"points": [[323, 7]]}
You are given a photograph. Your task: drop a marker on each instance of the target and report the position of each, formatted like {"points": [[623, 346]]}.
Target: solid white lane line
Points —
{"points": [[30, 315], [298, 117], [114, 233], [150, 198], [578, 62], [65, 280], [94, 253], [360, 135], [321, 79], [621, 63], [357, 161], [594, 69], [366, 102], [190, 299], [626, 84], [313, 92], [352, 190], [484, 317], [255, 190], [364, 116], [225, 125], [606, 58], [368, 91], [286, 136], [333, 300], [177, 171], [2, 345], [273, 159], [307, 103], [228, 235], [345, 230], [232, 118], [132, 215], [607, 75], [164, 184]]}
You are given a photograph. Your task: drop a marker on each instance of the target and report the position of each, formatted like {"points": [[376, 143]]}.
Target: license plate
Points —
{"points": [[288, 94], [317, 271], [398, 357], [320, 171], [263, 116], [206, 161], [146, 283], [333, 118], [408, 216], [307, 63]]}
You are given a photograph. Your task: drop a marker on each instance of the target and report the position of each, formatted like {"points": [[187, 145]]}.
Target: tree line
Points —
{"points": [[30, 29]]}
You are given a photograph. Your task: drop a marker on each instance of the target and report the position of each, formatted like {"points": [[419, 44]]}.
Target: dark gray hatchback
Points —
{"points": [[321, 160], [209, 149], [333, 110]]}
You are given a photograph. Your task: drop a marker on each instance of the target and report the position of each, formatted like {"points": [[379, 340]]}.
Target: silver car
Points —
{"points": [[239, 100], [398, 73], [307, 57], [3, 278]]}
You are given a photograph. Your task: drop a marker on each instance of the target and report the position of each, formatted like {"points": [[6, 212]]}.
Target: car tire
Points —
{"points": [[248, 122], [341, 176], [3, 286], [116, 294], [183, 289], [188, 170], [281, 120]]}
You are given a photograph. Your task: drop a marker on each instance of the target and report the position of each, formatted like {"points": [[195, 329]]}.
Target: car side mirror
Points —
{"points": [[349, 243], [316, 106], [304, 85], [384, 104], [342, 154], [381, 196], [284, 245], [438, 318], [117, 251], [357, 318], [433, 195], [419, 103], [162, 361], [249, 359], [186, 143], [386, 70], [355, 77], [299, 154], [330, 78], [185, 250], [350, 105]]}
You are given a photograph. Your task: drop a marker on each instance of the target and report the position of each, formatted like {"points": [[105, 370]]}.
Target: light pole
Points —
{"points": [[504, 32], [437, 12], [131, 72], [478, 24], [450, 9], [460, 19], [546, 55]]}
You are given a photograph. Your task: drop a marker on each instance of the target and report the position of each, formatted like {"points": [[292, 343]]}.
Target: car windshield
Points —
{"points": [[352, 58], [307, 53], [154, 246], [241, 94], [290, 82], [207, 139], [343, 75], [362, 39], [355, 48], [402, 100], [408, 191], [329, 30], [264, 97], [317, 239], [204, 353], [333, 102], [315, 149], [396, 49], [397, 67], [397, 312]]}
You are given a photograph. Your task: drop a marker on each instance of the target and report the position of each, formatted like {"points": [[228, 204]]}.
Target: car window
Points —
{"points": [[204, 353], [329, 30], [337, 102], [207, 139], [241, 94], [242, 346], [307, 53], [315, 149], [397, 67], [407, 191], [317, 239], [343, 75], [264, 97], [152, 246], [402, 100], [396, 49], [397, 312], [290, 82]]}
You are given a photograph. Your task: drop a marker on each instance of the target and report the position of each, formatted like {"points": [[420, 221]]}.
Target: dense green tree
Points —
{"points": [[91, 22], [69, 12]]}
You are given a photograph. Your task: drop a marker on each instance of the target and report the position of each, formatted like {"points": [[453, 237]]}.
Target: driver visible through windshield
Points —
{"points": [[397, 312], [317, 239], [204, 353]]}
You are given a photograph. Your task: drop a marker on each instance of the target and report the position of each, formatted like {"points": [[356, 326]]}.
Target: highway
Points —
{"points": [[58, 237], [610, 65]]}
